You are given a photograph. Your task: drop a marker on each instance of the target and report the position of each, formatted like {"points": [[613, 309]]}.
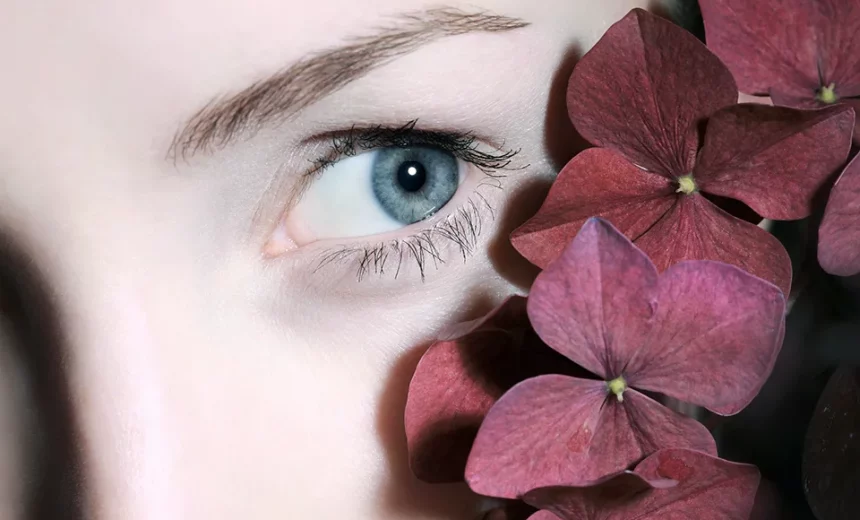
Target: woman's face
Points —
{"points": [[229, 229]]}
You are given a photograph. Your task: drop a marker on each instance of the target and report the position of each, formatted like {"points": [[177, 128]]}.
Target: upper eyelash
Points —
{"points": [[464, 146]]}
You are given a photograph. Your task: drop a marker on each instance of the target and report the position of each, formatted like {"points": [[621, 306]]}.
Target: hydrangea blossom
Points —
{"points": [[702, 332], [801, 53], [662, 109]]}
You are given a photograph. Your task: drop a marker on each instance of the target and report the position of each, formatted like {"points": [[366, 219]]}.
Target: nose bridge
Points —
{"points": [[47, 461], [118, 392], [109, 332]]}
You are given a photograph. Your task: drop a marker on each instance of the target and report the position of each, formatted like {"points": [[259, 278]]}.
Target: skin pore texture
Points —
{"points": [[168, 350]]}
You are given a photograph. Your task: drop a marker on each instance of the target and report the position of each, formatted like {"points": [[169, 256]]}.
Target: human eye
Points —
{"points": [[381, 197]]}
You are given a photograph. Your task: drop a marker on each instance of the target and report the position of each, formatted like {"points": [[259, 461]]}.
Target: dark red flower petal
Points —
{"points": [[839, 235], [695, 229], [855, 104], [717, 333], [831, 462], [789, 100], [644, 88], [558, 430], [510, 315], [598, 500], [596, 301], [767, 44], [707, 488], [838, 25], [801, 100], [457, 381], [595, 183], [773, 159]]}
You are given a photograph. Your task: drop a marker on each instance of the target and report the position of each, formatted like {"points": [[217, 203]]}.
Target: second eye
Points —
{"points": [[376, 192]]}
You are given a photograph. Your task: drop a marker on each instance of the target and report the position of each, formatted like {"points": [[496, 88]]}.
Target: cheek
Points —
{"points": [[309, 405]]}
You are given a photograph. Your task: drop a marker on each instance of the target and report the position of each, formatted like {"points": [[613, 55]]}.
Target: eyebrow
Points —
{"points": [[312, 78]]}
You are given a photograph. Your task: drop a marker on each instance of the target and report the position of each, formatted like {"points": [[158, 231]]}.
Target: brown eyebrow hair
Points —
{"points": [[312, 78]]}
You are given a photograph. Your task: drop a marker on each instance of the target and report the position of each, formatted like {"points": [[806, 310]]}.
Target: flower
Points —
{"points": [[668, 483], [802, 53], [649, 94], [839, 235], [703, 332], [461, 376]]}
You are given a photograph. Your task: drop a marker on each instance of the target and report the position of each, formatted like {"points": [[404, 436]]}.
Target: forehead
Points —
{"points": [[192, 46], [130, 72]]}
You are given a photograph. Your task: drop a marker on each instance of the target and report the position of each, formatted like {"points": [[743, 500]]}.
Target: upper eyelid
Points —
{"points": [[330, 140], [362, 139], [411, 125]]}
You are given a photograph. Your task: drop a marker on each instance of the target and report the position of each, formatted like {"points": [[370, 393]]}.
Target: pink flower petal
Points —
{"points": [[767, 44], [707, 488], [716, 336], [539, 431], [831, 459], [595, 183], [544, 515], [695, 229], [839, 235], [457, 381], [653, 426], [558, 430], [774, 159], [644, 88], [595, 302]]}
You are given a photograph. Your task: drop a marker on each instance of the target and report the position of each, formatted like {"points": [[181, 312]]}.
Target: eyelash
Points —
{"points": [[462, 228], [461, 145]]}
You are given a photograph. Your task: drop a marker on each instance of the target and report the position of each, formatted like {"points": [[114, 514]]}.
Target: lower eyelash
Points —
{"points": [[461, 230]]}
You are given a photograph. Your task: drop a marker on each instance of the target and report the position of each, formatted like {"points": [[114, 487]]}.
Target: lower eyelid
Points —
{"points": [[456, 236]]}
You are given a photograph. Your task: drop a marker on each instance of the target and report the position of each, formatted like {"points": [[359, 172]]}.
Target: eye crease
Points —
{"points": [[378, 181]]}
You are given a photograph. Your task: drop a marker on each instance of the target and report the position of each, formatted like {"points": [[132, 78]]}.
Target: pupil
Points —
{"points": [[412, 176]]}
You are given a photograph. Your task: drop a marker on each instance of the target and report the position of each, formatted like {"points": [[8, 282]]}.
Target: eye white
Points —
{"points": [[341, 203]]}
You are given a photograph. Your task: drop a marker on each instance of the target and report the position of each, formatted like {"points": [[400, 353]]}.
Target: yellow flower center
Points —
{"points": [[686, 185], [617, 386], [827, 95]]}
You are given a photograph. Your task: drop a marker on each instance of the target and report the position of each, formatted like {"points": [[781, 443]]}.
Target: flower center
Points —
{"points": [[617, 386], [827, 95], [686, 184]]}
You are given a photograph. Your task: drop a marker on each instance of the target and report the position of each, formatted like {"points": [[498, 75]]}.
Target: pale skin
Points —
{"points": [[210, 368]]}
